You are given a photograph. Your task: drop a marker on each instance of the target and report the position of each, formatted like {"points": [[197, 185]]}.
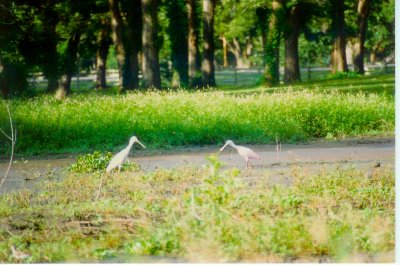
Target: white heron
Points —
{"points": [[247, 153], [122, 156]]}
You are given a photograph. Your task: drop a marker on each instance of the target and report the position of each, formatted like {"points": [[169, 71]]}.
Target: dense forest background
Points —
{"points": [[180, 43]]}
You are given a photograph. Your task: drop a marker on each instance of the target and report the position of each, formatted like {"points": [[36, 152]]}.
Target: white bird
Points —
{"points": [[18, 254], [122, 156], [247, 153]]}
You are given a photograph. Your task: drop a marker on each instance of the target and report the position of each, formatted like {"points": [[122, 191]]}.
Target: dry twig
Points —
{"points": [[13, 139], [99, 189]]}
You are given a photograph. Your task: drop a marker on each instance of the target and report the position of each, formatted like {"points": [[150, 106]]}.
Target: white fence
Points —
{"points": [[224, 77]]}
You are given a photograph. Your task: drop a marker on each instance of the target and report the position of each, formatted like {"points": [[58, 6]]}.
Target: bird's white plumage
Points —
{"points": [[245, 152], [122, 156]]}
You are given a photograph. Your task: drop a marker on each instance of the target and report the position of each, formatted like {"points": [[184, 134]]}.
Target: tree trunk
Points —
{"points": [[262, 15], [273, 42], [52, 83], [194, 63], [339, 63], [374, 51], [178, 32], [70, 61], [117, 31], [362, 11], [101, 59], [224, 50], [208, 69], [240, 56], [50, 64], [4, 90], [133, 43], [13, 79], [292, 67], [151, 66]]}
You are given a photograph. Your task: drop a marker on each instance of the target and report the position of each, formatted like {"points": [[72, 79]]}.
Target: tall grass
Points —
{"points": [[163, 119], [193, 214]]}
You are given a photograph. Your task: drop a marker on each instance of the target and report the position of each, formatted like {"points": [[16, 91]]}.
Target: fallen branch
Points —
{"points": [[13, 139]]}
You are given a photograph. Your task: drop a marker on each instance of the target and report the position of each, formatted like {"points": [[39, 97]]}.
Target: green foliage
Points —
{"points": [[343, 75], [27, 27], [314, 52], [93, 162], [380, 33]]}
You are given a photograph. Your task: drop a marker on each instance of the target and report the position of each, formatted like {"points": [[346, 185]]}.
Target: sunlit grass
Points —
{"points": [[86, 122], [193, 214]]}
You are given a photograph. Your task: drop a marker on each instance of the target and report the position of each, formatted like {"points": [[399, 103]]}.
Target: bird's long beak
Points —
{"points": [[222, 148], [140, 144]]}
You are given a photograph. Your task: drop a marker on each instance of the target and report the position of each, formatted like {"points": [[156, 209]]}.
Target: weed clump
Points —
{"points": [[92, 162]]}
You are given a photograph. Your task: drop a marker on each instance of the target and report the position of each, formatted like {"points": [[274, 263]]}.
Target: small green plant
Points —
{"points": [[343, 75], [92, 162], [131, 166]]}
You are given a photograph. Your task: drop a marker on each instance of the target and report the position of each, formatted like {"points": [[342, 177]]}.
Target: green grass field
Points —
{"points": [[90, 121], [339, 214], [201, 214]]}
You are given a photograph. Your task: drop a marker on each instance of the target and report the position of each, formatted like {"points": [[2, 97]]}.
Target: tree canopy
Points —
{"points": [[180, 43]]}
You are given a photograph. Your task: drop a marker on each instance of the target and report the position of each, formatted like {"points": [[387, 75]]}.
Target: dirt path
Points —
{"points": [[306, 157]]}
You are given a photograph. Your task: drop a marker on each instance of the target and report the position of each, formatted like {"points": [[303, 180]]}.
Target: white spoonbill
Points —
{"points": [[247, 153], [122, 156]]}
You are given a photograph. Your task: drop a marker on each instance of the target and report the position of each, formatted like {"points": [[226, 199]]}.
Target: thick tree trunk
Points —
{"points": [[51, 63], [339, 63], [178, 32], [133, 43], [117, 35], [4, 90], [292, 67], [151, 66], [240, 56], [101, 59], [194, 63], [70, 66], [273, 42], [13, 79], [208, 68], [262, 15], [362, 11], [52, 83]]}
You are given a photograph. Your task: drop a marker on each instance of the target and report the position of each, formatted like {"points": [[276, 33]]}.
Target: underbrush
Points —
{"points": [[201, 214], [178, 118]]}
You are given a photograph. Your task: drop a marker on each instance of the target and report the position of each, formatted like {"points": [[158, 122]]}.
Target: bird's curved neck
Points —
{"points": [[130, 145], [233, 145]]}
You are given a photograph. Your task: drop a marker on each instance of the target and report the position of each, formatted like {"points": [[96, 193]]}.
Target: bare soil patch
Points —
{"points": [[363, 153]]}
